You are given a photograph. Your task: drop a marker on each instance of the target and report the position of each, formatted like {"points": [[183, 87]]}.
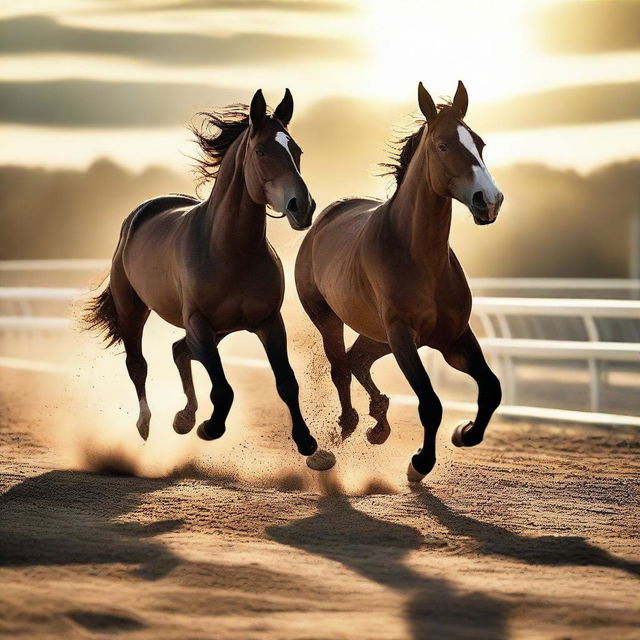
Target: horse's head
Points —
{"points": [[454, 157], [272, 163]]}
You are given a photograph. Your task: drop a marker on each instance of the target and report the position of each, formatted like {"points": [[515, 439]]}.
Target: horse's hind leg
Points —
{"points": [[132, 315], [185, 418], [362, 354], [331, 329], [466, 355]]}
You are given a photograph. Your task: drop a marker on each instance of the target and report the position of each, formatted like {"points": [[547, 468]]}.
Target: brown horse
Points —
{"points": [[207, 266], [386, 270]]}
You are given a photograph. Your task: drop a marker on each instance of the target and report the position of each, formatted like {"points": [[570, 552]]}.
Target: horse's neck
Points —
{"points": [[421, 218], [234, 221]]}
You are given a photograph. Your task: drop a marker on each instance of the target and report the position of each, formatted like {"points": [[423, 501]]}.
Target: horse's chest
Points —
{"points": [[245, 301]]}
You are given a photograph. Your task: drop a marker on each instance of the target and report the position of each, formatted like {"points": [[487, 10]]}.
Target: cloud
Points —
{"points": [[43, 34], [296, 6], [587, 104], [90, 103], [592, 26]]}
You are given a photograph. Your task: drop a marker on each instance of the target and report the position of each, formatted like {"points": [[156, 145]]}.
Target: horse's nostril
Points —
{"points": [[293, 205], [478, 200]]}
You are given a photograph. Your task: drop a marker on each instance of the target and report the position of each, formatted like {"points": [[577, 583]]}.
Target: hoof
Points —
{"points": [[459, 432], [378, 434], [321, 460], [348, 423], [413, 475], [307, 445], [184, 422], [205, 434]]}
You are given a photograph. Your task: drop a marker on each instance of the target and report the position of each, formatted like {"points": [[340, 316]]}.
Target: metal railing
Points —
{"points": [[493, 314]]}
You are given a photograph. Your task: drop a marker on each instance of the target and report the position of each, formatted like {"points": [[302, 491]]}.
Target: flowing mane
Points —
{"points": [[230, 122], [403, 148]]}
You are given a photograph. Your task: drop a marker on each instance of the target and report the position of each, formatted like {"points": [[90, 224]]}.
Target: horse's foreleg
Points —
{"points": [[362, 354], [466, 355], [404, 349], [273, 336], [201, 340], [186, 418]]}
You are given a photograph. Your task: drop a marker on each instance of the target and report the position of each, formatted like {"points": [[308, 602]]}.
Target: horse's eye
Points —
{"points": [[259, 151], [442, 147]]}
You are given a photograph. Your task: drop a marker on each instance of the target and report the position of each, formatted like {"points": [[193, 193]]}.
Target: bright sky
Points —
{"points": [[381, 50]]}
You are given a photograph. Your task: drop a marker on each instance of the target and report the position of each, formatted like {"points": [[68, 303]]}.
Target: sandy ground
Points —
{"points": [[534, 534]]}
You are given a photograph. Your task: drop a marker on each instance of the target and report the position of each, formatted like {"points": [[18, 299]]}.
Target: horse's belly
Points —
{"points": [[353, 305]]}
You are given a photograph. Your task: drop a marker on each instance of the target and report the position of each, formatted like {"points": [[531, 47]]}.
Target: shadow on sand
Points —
{"points": [[68, 517], [540, 550], [376, 549]]}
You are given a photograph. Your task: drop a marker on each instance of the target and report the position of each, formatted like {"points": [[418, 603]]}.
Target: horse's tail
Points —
{"points": [[100, 315]]}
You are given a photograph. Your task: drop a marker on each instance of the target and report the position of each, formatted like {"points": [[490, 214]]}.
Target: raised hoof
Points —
{"points": [[459, 432], [204, 434], [378, 434], [321, 460], [348, 423], [184, 422]]}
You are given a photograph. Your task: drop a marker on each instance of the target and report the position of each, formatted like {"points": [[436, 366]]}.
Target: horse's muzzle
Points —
{"points": [[483, 212], [300, 212]]}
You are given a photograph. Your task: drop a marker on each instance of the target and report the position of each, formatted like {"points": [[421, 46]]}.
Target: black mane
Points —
{"points": [[215, 135], [404, 147]]}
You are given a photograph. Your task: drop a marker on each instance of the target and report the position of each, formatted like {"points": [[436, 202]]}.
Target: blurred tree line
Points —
{"points": [[554, 222]]}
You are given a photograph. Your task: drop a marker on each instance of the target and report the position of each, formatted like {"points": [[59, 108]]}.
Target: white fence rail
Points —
{"points": [[492, 313]]}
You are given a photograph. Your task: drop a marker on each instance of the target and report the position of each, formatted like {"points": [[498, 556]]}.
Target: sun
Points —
{"points": [[483, 44]]}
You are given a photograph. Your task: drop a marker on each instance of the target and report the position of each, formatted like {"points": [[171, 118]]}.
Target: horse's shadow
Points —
{"points": [[539, 550], [69, 517], [376, 549]]}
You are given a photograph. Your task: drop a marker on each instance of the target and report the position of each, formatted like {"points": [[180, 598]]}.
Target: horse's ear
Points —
{"points": [[461, 100], [258, 109], [427, 105], [284, 110]]}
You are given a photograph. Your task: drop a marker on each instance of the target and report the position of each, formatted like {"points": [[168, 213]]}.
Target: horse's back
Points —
{"points": [[155, 206]]}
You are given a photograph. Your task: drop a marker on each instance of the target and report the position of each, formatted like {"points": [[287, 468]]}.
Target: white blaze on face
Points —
{"points": [[482, 180], [283, 139]]}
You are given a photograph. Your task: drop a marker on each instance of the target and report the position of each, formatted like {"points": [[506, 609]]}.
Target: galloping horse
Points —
{"points": [[207, 266], [386, 270]]}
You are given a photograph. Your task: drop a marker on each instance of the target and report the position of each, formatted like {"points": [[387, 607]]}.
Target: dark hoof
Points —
{"points": [[307, 445], [418, 470], [460, 438], [184, 421], [348, 423], [321, 460], [379, 433], [207, 432]]}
